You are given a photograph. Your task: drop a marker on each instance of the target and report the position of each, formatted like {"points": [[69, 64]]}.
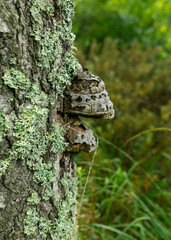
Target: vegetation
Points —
{"points": [[128, 196], [147, 21]]}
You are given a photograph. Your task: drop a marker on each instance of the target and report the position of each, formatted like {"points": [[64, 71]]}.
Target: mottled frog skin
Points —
{"points": [[86, 96]]}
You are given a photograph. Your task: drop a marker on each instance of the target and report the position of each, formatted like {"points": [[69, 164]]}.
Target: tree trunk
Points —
{"points": [[38, 183], [39, 124]]}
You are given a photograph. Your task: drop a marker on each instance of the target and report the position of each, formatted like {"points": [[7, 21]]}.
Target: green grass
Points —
{"points": [[128, 194], [122, 203]]}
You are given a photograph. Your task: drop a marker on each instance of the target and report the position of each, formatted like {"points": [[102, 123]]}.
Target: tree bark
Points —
{"points": [[38, 183]]}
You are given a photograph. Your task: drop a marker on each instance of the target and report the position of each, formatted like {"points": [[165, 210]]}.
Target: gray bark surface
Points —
{"points": [[19, 50]]}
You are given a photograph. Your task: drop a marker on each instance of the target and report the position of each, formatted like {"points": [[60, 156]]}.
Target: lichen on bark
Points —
{"points": [[37, 62]]}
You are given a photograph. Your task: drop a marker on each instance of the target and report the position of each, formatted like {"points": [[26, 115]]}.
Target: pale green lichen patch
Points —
{"points": [[50, 50], [44, 227], [70, 64], [31, 221], [43, 173], [56, 56], [32, 140], [3, 125], [16, 79], [37, 97], [41, 5], [34, 222], [57, 139], [48, 192], [4, 163], [3, 166], [61, 66], [67, 70], [30, 134], [34, 199], [13, 61], [65, 227], [67, 11]]}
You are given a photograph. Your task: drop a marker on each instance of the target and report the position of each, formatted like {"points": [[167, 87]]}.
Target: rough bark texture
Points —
{"points": [[37, 198]]}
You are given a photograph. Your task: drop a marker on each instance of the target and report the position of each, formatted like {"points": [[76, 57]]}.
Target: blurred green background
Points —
{"points": [[128, 44]]}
